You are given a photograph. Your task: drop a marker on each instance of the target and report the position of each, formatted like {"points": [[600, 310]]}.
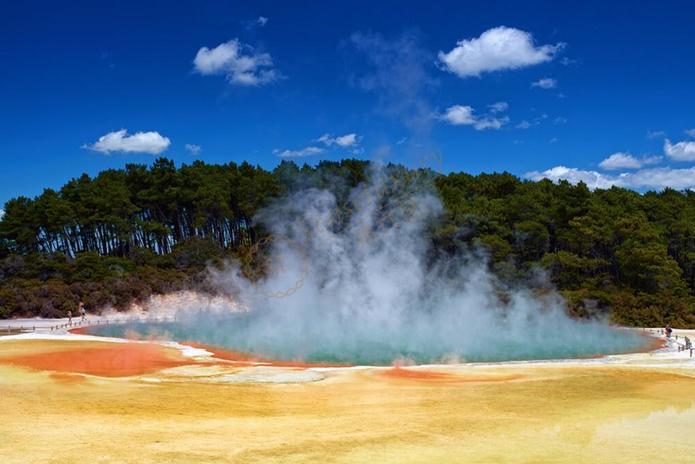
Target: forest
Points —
{"points": [[125, 234]]}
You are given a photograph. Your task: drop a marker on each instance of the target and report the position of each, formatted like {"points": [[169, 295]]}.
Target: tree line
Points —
{"points": [[121, 210], [127, 233]]}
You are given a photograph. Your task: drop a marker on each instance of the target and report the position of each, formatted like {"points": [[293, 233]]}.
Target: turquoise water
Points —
{"points": [[251, 334]]}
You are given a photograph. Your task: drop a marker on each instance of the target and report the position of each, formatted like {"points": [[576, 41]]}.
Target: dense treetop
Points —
{"points": [[128, 233]]}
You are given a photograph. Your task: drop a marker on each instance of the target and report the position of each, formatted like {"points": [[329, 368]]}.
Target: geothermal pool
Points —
{"points": [[246, 333], [375, 292]]}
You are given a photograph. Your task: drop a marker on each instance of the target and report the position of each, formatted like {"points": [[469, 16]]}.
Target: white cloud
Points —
{"points": [[459, 115], [690, 132], [490, 123], [262, 20], [681, 151], [349, 141], [345, 141], [651, 178], [193, 149], [622, 160], [499, 107], [2, 214], [496, 49], [592, 179], [308, 151], [140, 142], [545, 83], [660, 178], [238, 62], [524, 125]]}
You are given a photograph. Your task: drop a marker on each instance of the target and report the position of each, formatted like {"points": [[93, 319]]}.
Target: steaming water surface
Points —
{"points": [[369, 288], [237, 332]]}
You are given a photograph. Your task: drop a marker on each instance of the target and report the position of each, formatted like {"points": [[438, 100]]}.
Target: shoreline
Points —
{"points": [[165, 308], [657, 352]]}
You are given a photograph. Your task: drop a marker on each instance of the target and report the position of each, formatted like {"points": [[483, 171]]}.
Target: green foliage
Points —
{"points": [[126, 234], [610, 252]]}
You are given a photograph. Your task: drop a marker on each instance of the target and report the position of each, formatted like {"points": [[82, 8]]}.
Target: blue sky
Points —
{"points": [[598, 91]]}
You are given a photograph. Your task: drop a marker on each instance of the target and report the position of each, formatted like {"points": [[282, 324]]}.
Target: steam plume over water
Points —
{"points": [[367, 288]]}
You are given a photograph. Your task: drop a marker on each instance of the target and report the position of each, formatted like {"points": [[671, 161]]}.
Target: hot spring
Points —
{"points": [[238, 332], [352, 276]]}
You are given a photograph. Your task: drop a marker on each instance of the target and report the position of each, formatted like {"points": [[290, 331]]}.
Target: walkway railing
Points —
{"points": [[79, 323], [11, 330], [683, 343]]}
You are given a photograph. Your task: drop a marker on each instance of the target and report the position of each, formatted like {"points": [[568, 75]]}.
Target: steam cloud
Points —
{"points": [[367, 288]]}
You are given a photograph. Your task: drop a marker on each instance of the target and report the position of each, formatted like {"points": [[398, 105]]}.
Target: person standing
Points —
{"points": [[83, 312], [69, 316]]}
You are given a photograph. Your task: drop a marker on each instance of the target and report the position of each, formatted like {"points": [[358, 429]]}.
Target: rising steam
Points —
{"points": [[360, 283]]}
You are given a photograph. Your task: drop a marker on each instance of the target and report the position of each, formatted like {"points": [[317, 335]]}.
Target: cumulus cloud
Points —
{"points": [[349, 141], [499, 107], [638, 177], [307, 151], [651, 178], [545, 83], [681, 151], [344, 141], [460, 115], [262, 20], [193, 149], [660, 178], [690, 132], [622, 160], [140, 142], [490, 123], [592, 179], [496, 49], [239, 63]]}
